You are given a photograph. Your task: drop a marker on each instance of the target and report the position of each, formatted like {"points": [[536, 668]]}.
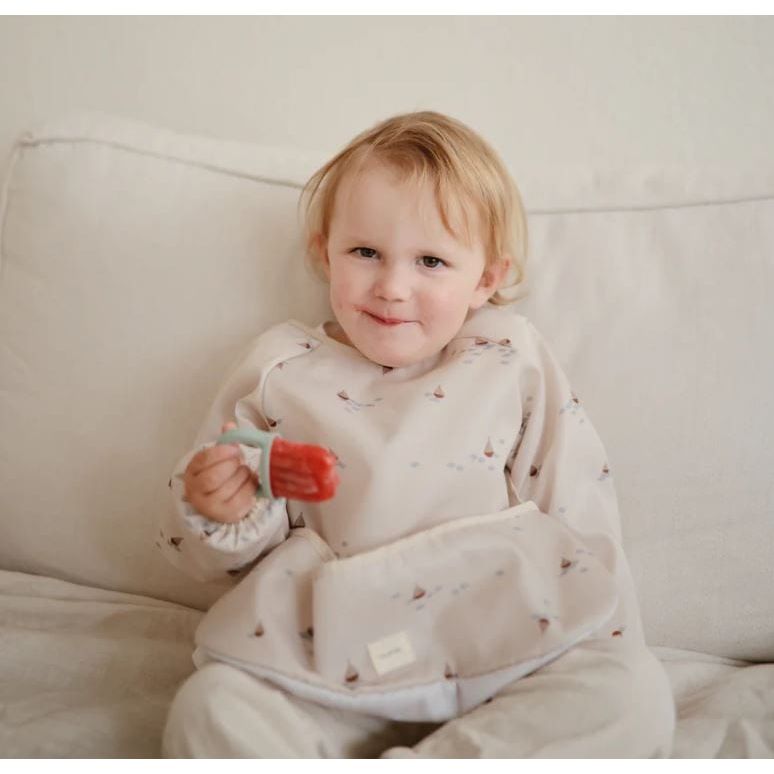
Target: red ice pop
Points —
{"points": [[298, 471]]}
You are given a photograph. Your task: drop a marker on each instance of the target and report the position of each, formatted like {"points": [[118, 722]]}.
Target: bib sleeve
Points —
{"points": [[208, 549], [559, 461]]}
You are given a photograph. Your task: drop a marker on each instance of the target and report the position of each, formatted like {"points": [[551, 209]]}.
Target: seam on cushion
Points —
{"points": [[224, 170], [169, 607], [4, 196], [651, 207], [30, 141]]}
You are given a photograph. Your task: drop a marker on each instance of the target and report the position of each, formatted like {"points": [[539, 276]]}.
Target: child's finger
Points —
{"points": [[243, 501], [211, 456], [211, 479], [228, 426], [230, 487]]}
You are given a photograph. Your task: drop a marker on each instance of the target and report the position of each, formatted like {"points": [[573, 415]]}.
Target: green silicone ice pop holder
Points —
{"points": [[259, 439]]}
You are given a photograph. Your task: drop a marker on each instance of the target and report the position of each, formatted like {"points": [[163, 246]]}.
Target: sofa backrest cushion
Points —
{"points": [[138, 263]]}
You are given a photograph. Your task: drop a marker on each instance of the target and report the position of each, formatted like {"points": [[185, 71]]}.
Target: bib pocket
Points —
{"points": [[457, 601], [424, 628]]}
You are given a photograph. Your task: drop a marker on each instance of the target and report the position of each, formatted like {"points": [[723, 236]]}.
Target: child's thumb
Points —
{"points": [[228, 426]]}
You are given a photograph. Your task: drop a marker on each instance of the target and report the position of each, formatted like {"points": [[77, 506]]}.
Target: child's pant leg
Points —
{"points": [[224, 712], [598, 700]]}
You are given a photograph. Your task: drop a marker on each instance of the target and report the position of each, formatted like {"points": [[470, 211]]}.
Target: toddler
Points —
{"points": [[464, 593]]}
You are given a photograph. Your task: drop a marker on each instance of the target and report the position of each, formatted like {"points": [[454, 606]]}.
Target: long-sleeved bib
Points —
{"points": [[474, 536]]}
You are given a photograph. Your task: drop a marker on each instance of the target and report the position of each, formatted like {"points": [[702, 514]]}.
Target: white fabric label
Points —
{"points": [[391, 653]]}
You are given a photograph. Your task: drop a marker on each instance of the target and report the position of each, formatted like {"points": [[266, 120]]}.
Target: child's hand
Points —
{"points": [[218, 485]]}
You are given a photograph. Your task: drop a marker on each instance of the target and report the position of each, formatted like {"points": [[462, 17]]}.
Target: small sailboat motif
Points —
{"points": [[351, 674], [438, 392], [567, 565], [489, 449]]}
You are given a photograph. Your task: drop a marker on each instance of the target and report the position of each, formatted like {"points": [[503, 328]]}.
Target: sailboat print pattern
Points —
{"points": [[461, 563]]}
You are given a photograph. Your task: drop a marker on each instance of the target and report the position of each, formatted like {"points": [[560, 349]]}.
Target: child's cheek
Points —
{"points": [[344, 289], [339, 296]]}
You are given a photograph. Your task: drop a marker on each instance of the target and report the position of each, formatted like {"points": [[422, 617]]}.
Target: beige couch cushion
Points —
{"points": [[137, 264], [662, 315], [87, 673]]}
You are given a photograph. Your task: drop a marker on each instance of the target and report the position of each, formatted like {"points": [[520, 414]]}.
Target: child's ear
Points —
{"points": [[491, 279]]}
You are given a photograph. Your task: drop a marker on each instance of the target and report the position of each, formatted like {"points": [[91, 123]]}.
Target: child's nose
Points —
{"points": [[392, 284]]}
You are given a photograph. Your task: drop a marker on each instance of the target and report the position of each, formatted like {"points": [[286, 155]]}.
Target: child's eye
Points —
{"points": [[431, 262], [365, 252]]}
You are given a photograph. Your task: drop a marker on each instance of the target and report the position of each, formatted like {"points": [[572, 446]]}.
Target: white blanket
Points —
{"points": [[725, 707], [86, 672]]}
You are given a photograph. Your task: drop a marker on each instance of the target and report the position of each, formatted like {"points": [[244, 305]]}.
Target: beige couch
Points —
{"points": [[136, 265]]}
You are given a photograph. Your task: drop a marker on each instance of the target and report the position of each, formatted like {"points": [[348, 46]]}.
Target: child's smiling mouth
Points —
{"points": [[387, 321]]}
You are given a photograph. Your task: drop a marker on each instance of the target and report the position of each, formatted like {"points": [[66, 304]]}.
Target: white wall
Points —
{"points": [[544, 90]]}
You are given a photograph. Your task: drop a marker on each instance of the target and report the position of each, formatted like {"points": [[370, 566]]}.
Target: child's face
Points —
{"points": [[401, 285]]}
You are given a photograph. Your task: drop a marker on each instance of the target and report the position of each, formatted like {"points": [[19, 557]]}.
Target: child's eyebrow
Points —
{"points": [[359, 240]]}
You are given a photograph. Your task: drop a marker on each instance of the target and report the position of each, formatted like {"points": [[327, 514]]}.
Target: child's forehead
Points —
{"points": [[375, 192], [375, 178]]}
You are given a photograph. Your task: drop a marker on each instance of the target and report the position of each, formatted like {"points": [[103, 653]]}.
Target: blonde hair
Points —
{"points": [[463, 169]]}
